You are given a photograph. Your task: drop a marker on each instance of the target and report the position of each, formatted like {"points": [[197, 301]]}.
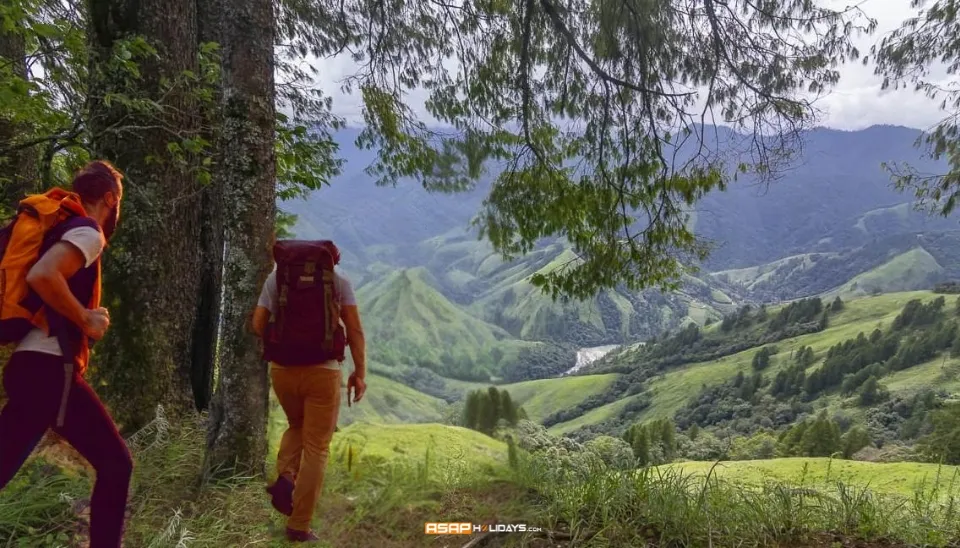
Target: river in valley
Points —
{"points": [[586, 356]]}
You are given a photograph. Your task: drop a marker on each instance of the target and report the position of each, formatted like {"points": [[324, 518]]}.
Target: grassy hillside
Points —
{"points": [[408, 321], [908, 271], [413, 442], [669, 391], [386, 402], [544, 397], [901, 478]]}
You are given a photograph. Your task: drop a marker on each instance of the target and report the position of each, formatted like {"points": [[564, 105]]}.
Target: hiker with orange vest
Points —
{"points": [[299, 318], [50, 307]]}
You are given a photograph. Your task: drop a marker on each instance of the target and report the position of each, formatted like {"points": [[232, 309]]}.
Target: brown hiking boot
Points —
{"points": [[301, 536]]}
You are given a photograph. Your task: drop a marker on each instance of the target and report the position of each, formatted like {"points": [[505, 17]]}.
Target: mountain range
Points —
{"points": [[434, 297]]}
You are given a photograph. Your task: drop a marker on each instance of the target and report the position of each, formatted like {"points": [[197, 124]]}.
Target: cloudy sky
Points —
{"points": [[857, 102]]}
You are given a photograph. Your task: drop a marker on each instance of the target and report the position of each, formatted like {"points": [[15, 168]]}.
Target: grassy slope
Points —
{"points": [[544, 397], [409, 321], [903, 272], [386, 402], [413, 441], [904, 478], [671, 391], [751, 276]]}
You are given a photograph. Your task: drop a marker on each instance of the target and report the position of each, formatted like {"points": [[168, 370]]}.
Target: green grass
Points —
{"points": [[544, 397], [445, 444], [396, 477], [899, 478], [906, 271], [674, 389], [388, 401], [594, 416], [408, 321]]}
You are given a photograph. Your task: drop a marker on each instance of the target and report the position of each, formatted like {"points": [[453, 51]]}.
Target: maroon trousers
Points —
{"points": [[34, 384]]}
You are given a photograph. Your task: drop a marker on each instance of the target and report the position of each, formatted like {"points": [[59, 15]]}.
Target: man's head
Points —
{"points": [[100, 188]]}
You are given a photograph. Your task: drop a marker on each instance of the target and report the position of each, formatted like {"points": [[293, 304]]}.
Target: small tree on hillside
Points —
{"points": [[822, 438], [641, 446], [872, 392], [471, 411], [485, 409], [509, 413], [943, 444], [837, 305], [854, 440], [761, 359]]}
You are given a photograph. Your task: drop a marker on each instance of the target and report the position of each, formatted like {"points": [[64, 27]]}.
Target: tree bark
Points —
{"points": [[237, 438], [151, 284], [18, 171]]}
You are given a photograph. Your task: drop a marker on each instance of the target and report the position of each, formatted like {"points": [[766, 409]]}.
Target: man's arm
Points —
{"points": [[350, 314], [48, 278], [261, 317], [266, 304]]}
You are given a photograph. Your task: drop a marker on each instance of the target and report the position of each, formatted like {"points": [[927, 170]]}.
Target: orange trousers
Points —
{"points": [[310, 397]]}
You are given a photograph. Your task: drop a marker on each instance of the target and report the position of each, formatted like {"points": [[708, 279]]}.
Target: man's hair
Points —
{"points": [[95, 180]]}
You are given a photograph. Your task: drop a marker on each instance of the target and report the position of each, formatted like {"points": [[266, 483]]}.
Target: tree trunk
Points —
{"points": [[151, 283], [237, 438], [18, 170], [206, 333]]}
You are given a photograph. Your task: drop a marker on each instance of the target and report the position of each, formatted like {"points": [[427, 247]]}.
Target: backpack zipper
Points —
{"points": [[67, 381]]}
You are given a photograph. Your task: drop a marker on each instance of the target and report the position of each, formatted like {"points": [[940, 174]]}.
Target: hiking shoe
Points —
{"points": [[294, 535], [281, 495]]}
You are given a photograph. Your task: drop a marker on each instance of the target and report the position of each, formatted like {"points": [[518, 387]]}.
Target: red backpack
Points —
{"points": [[305, 330]]}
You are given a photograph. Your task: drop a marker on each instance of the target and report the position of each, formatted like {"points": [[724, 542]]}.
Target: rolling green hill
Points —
{"points": [[389, 402], [908, 271], [408, 321], [543, 397]]}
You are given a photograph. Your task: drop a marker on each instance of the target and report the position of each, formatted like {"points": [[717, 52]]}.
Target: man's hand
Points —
{"points": [[95, 323], [357, 386]]}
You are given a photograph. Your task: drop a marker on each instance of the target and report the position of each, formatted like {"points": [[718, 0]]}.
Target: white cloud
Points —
{"points": [[855, 103]]}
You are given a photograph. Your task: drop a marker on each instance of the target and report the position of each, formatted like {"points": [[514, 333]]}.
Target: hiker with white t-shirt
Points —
{"points": [[50, 297]]}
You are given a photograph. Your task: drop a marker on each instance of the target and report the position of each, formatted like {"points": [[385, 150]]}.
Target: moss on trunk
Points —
{"points": [[152, 264], [237, 438]]}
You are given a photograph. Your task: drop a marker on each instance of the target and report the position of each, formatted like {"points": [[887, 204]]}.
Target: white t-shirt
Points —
{"points": [[90, 242], [269, 297]]}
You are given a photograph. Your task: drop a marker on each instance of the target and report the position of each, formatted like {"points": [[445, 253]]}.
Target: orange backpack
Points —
{"points": [[20, 245]]}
